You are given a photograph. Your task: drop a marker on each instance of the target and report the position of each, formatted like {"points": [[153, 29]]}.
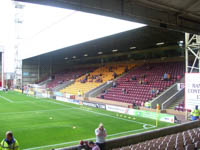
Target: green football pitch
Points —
{"points": [[45, 123]]}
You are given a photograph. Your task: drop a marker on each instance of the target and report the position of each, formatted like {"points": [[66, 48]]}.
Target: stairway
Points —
{"points": [[176, 103]]}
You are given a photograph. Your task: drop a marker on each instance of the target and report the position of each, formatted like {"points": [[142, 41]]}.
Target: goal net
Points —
{"points": [[37, 91]]}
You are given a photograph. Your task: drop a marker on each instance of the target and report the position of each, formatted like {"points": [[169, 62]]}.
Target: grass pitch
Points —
{"points": [[45, 124]]}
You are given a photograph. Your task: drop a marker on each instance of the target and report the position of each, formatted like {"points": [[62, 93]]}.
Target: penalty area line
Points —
{"points": [[9, 100], [72, 142]]}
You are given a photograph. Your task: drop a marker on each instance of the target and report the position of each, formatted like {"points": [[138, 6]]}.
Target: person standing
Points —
{"points": [[9, 143], [79, 93], [114, 84], [195, 113], [100, 136], [22, 89]]}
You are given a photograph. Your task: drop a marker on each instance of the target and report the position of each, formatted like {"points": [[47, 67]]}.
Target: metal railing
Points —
{"points": [[173, 98]]}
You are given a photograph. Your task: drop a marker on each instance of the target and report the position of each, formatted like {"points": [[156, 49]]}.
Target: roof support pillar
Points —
{"points": [[192, 47]]}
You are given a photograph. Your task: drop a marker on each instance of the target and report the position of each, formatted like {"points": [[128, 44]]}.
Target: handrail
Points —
{"points": [[159, 100], [171, 98]]}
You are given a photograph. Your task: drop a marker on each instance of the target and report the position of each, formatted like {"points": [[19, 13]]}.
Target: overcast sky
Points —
{"points": [[46, 29]]}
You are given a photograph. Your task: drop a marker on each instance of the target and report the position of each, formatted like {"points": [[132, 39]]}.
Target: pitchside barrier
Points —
{"points": [[122, 110], [141, 137]]}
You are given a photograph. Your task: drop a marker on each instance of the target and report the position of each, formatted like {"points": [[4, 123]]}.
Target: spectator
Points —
{"points": [[126, 69], [124, 90], [110, 69], [178, 77], [105, 92], [83, 145], [133, 78], [99, 79], [87, 75], [147, 104], [85, 78], [93, 146], [140, 81], [145, 81], [79, 93], [153, 91], [23, 90], [165, 76], [126, 80], [157, 92], [114, 75], [195, 113], [142, 104], [134, 105], [9, 143], [168, 76], [143, 76], [114, 84], [100, 136]]}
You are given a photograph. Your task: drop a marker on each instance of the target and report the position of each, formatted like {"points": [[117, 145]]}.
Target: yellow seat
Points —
{"points": [[105, 76]]}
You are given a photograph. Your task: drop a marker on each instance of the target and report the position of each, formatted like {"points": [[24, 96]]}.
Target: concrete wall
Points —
{"points": [[30, 72]]}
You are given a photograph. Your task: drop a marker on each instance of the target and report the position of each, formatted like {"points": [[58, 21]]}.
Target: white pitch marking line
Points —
{"points": [[98, 113], [9, 100], [116, 117], [34, 111], [102, 114], [91, 139], [66, 143], [94, 112]]}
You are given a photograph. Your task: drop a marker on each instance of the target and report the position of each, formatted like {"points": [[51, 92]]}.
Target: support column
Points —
{"points": [[199, 61], [2, 68], [186, 52], [38, 78], [192, 46]]}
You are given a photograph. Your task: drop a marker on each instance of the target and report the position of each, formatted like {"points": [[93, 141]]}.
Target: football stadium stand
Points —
{"points": [[60, 78], [94, 79], [144, 83], [187, 140]]}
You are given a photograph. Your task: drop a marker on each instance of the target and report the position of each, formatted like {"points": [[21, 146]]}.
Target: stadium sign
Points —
{"points": [[152, 115], [116, 109], [141, 113], [96, 105], [64, 99], [73, 101], [192, 90], [60, 98], [180, 86], [58, 94]]}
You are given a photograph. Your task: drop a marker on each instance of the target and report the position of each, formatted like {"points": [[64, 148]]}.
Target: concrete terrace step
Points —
{"points": [[178, 101]]}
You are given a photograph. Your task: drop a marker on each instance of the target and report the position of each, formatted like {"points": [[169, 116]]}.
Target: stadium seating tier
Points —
{"points": [[140, 93], [95, 78]]}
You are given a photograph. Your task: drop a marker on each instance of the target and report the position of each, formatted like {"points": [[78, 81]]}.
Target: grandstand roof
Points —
{"points": [[142, 38], [182, 15]]}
